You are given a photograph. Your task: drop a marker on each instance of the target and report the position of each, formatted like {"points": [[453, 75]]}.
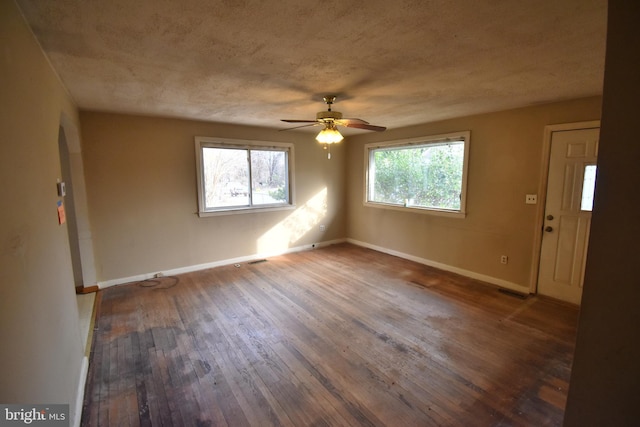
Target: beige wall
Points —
{"points": [[141, 184], [504, 165], [41, 352], [140, 174]]}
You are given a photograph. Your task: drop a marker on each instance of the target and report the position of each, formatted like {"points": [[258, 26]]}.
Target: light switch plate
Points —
{"points": [[62, 189]]}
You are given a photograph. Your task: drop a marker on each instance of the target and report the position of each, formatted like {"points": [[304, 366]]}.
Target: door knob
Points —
{"points": [[548, 229], [550, 217]]}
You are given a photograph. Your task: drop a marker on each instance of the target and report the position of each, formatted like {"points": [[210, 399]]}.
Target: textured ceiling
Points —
{"points": [[392, 63]]}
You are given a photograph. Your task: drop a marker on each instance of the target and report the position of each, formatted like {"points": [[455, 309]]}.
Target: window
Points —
{"points": [[240, 176], [588, 188], [427, 174]]}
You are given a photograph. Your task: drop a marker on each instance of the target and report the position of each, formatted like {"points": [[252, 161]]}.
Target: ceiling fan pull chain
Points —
{"points": [[328, 148]]}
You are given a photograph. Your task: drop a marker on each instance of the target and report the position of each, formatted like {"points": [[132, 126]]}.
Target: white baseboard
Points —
{"points": [[239, 260], [467, 273], [198, 267], [76, 417]]}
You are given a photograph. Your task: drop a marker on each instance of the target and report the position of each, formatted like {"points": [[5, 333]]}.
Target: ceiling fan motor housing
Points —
{"points": [[332, 115]]}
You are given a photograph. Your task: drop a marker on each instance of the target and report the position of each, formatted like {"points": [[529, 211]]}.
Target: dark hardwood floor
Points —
{"points": [[336, 336]]}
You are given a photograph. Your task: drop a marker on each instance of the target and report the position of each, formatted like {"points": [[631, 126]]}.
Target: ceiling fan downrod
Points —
{"points": [[329, 100]]}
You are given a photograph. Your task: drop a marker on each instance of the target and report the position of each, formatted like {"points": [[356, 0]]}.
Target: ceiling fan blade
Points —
{"points": [[365, 126], [347, 122], [330, 119], [301, 126]]}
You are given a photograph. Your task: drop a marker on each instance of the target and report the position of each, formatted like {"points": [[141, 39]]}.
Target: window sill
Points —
{"points": [[417, 209], [245, 210]]}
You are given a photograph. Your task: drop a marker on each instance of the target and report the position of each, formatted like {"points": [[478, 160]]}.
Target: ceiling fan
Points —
{"points": [[330, 120]]}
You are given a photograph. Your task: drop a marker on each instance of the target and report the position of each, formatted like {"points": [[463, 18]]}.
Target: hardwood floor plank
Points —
{"points": [[330, 337], [265, 310], [352, 364], [390, 351]]}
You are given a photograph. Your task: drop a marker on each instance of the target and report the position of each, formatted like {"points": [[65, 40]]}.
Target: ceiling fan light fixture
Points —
{"points": [[329, 135]]}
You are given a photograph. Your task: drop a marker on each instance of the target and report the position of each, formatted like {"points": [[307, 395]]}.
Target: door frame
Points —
{"points": [[85, 239], [542, 191]]}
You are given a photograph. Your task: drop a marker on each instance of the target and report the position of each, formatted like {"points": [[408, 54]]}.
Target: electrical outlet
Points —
{"points": [[323, 227], [531, 199], [504, 259]]}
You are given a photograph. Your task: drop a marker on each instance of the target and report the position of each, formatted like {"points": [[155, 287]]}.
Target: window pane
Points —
{"points": [[588, 187], [269, 177], [428, 176], [226, 177], [235, 175]]}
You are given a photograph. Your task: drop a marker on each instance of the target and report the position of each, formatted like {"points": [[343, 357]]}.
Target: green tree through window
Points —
{"points": [[428, 175]]}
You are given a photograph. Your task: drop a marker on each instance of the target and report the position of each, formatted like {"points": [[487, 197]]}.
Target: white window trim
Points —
{"points": [[204, 141], [431, 139]]}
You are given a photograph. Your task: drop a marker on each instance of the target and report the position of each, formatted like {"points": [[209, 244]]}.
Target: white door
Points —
{"points": [[567, 216]]}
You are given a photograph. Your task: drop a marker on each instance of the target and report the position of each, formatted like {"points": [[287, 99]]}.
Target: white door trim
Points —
{"points": [[542, 192], [85, 239]]}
